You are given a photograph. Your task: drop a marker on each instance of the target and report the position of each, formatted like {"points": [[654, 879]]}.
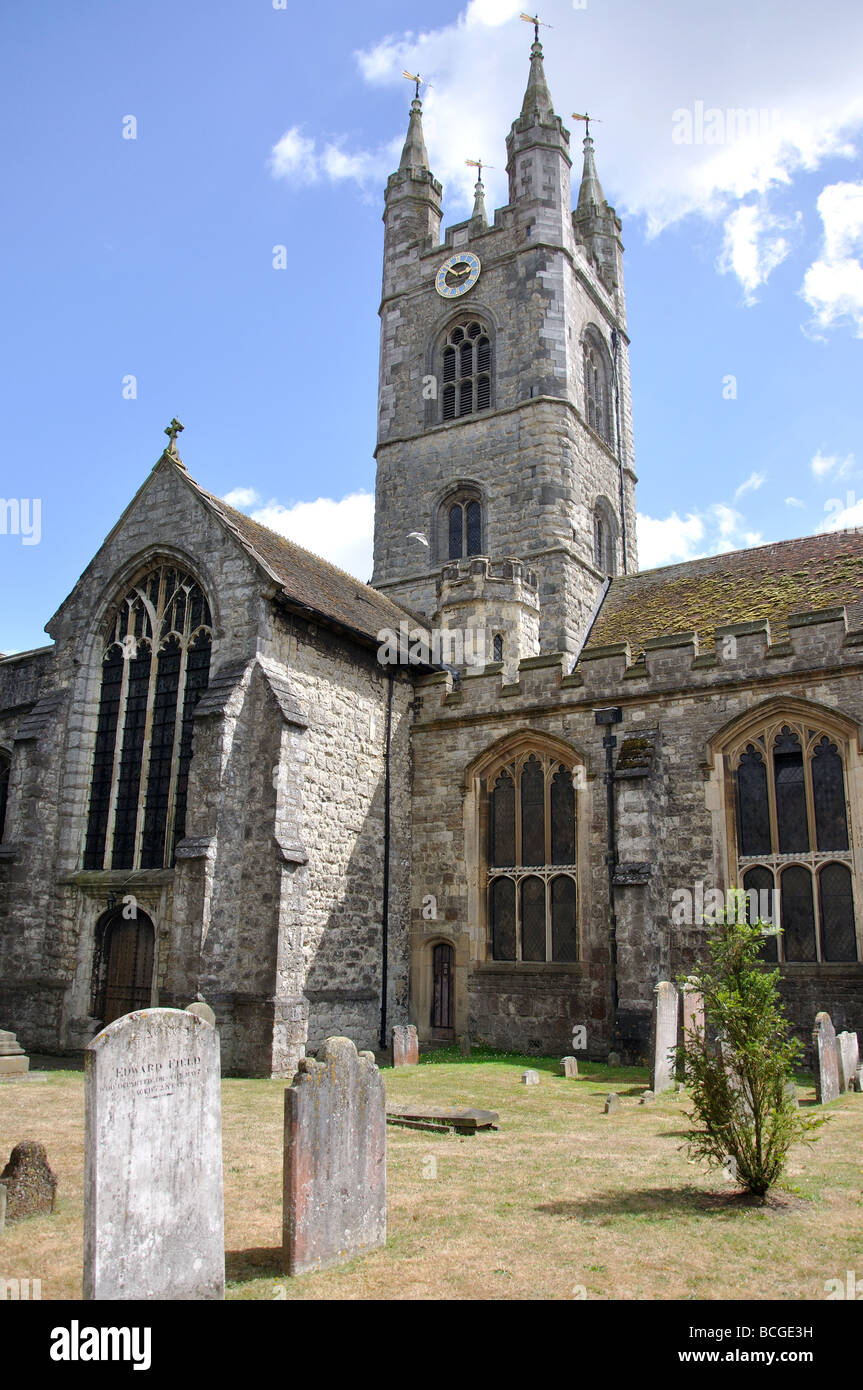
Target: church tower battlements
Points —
{"points": [[504, 415]]}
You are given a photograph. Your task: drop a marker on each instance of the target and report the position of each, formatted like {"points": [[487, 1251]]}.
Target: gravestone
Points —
{"points": [[663, 1036], [202, 1010], [30, 1185], [614, 1059], [612, 1102], [153, 1213], [849, 1060], [693, 1010], [530, 1077], [827, 1074], [647, 1098], [569, 1068], [860, 1078], [406, 1052], [791, 1093], [13, 1060], [464, 1045], [335, 1182]]}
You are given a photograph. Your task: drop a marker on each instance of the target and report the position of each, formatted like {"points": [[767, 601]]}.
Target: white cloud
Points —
{"points": [[340, 531], [753, 246], [670, 540], [841, 518], [833, 285], [832, 465], [242, 497], [783, 98], [794, 502], [752, 484]]}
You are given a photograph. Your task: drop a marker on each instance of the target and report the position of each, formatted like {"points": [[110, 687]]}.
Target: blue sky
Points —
{"points": [[259, 127]]}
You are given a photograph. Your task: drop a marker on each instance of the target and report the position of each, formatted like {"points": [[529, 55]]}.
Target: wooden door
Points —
{"points": [[129, 975], [442, 1019]]}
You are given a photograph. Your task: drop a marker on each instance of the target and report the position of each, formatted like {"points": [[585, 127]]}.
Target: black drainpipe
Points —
{"points": [[608, 717], [385, 913]]}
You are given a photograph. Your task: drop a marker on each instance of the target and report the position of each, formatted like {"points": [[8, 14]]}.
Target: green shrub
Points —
{"points": [[739, 1065]]}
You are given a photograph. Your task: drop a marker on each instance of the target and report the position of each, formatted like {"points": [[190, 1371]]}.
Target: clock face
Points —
{"points": [[457, 275]]}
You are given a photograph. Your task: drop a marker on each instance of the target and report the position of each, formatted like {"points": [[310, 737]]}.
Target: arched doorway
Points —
{"points": [[123, 968], [442, 1010]]}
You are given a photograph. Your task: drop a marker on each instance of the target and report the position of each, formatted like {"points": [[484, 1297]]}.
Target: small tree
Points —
{"points": [[739, 1065]]}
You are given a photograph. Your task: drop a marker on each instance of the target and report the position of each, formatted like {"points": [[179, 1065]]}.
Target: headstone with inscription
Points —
{"points": [[827, 1074], [849, 1059], [153, 1213], [30, 1184], [663, 1036], [406, 1052], [334, 1182], [569, 1068]]}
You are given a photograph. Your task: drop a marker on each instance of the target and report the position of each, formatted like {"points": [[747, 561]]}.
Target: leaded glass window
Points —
{"points": [[597, 384], [463, 515], [532, 887], [5, 767], [156, 663], [793, 838]]}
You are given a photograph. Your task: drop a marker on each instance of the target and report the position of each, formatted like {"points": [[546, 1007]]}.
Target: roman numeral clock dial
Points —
{"points": [[457, 275]]}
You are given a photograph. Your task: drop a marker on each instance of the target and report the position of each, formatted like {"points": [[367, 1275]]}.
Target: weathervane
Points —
{"points": [[535, 20], [587, 120], [478, 164], [415, 77]]}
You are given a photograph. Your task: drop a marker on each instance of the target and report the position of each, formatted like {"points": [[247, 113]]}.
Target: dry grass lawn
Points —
{"points": [[561, 1198]]}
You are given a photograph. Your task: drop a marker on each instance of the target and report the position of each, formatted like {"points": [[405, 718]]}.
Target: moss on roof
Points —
{"points": [[743, 586]]}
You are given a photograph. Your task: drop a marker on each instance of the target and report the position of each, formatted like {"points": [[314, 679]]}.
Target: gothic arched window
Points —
{"points": [[604, 538], [462, 525], [597, 385], [155, 666], [497, 646], [5, 769], [792, 825], [531, 857], [465, 369]]}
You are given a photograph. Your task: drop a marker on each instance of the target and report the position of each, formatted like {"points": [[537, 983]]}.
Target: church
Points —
{"points": [[230, 777]]}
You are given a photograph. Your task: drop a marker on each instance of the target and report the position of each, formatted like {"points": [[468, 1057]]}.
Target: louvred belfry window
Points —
{"points": [[793, 838], [155, 666], [532, 885], [465, 370]]}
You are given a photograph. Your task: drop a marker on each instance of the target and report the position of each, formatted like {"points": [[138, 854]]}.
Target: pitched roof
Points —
{"points": [[742, 586], [308, 582]]}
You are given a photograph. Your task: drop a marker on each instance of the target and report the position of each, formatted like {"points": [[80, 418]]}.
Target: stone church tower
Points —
{"points": [[504, 419]]}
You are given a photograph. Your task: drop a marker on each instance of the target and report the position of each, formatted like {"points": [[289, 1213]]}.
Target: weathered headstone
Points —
{"points": [[464, 1045], [201, 1009], [849, 1060], [406, 1052], [612, 1102], [663, 1036], [31, 1186], [153, 1213], [13, 1060], [693, 1010], [827, 1075], [335, 1185], [860, 1078], [791, 1093], [647, 1098], [530, 1077], [569, 1068], [614, 1059]]}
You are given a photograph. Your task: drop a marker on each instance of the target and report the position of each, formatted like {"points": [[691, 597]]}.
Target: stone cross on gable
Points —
{"points": [[172, 431]]}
